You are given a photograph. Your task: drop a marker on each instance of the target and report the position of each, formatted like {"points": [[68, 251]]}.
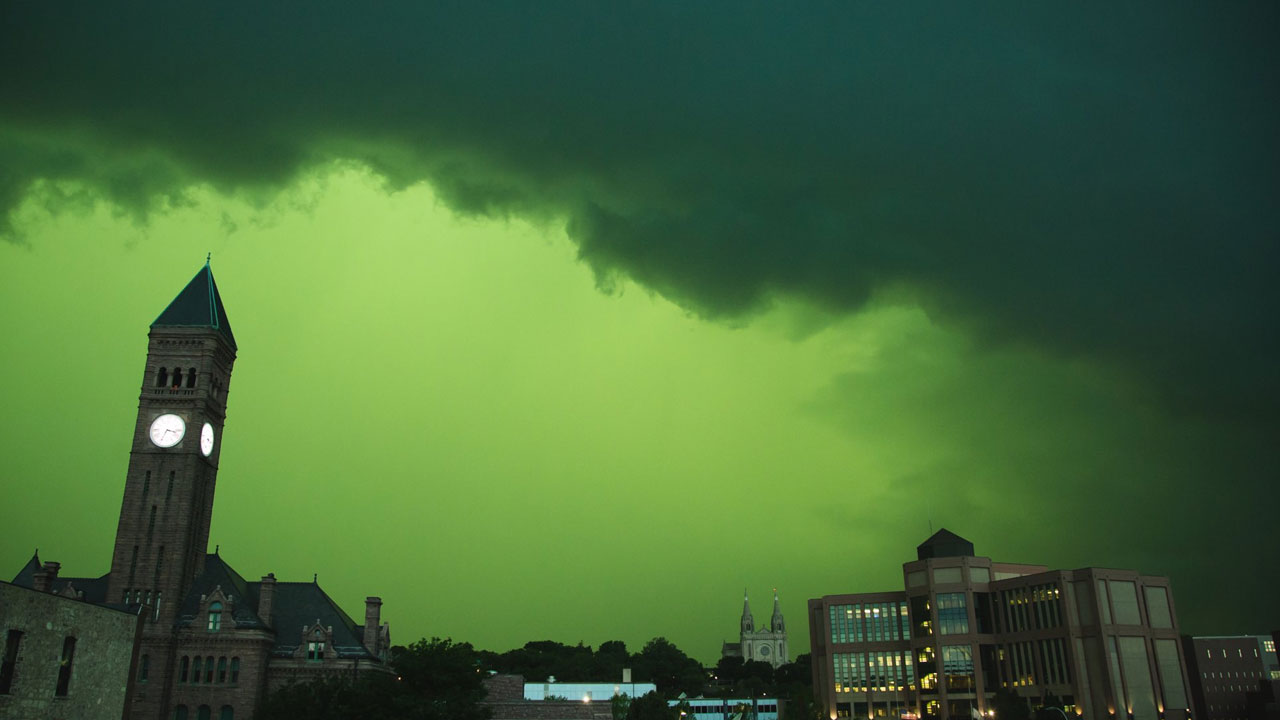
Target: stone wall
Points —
{"points": [[102, 666]]}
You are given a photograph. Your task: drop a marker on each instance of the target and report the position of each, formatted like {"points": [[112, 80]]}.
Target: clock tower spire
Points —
{"points": [[163, 531]]}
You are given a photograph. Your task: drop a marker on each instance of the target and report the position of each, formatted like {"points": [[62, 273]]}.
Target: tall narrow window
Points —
{"points": [[208, 669], [222, 669], [159, 594], [197, 664], [177, 378], [10, 662], [162, 377], [133, 564], [64, 669], [144, 668], [191, 377], [151, 523], [235, 670], [215, 616], [182, 669], [159, 565], [169, 493], [146, 483]]}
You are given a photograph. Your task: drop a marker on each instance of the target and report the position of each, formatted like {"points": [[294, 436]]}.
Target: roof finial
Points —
{"points": [[207, 257], [315, 579], [216, 548]]}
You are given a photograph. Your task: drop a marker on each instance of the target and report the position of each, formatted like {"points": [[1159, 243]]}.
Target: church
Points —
{"points": [[768, 644], [212, 644]]}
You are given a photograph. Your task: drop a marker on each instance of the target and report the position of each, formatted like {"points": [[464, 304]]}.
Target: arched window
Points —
{"points": [[182, 669], [177, 378], [215, 616], [196, 666], [162, 377], [226, 713], [203, 713], [235, 670], [180, 713], [222, 669], [191, 377], [208, 669]]}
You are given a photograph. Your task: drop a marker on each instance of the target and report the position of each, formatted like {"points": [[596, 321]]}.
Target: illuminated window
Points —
{"points": [[215, 616], [315, 650]]}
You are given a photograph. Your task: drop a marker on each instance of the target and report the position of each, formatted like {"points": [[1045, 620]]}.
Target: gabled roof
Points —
{"points": [[218, 574], [300, 604], [295, 605], [198, 305], [944, 543], [93, 590]]}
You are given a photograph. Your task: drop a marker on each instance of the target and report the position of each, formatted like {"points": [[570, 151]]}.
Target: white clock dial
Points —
{"points": [[167, 430], [206, 439]]}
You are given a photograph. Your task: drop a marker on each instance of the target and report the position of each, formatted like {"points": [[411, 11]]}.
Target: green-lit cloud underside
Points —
{"points": [[446, 412]]}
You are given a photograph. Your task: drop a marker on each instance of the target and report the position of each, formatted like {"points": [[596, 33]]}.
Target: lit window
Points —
{"points": [[215, 616], [315, 650]]}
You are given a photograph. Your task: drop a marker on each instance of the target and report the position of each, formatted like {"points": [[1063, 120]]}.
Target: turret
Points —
{"points": [[748, 622]]}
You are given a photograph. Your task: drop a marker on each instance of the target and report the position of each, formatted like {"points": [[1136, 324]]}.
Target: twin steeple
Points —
{"points": [[776, 623]]}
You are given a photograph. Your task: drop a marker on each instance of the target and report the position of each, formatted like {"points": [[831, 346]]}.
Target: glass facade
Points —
{"points": [[884, 671], [953, 614], [1158, 613], [1124, 601], [957, 666], [869, 622]]}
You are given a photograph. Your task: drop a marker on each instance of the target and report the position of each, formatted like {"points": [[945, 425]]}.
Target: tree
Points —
{"points": [[671, 670], [442, 678], [650, 706]]}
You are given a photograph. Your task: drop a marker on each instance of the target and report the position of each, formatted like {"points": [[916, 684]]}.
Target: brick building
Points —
{"points": [[1233, 677], [212, 644], [63, 657], [1103, 642]]}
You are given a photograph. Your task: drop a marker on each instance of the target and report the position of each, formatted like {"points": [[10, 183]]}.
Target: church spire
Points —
{"points": [[748, 622], [776, 623]]}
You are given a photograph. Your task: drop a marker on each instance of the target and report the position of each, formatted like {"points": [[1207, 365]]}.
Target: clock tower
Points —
{"points": [[173, 462]]}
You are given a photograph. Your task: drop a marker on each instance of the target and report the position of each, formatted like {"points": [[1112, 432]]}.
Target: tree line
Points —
{"points": [[437, 679]]}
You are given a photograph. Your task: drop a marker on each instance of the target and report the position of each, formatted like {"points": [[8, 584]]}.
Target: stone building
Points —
{"points": [[767, 644], [64, 657], [1101, 642], [212, 644]]}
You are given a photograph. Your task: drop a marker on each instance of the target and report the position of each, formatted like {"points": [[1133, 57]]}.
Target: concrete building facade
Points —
{"points": [[1233, 677], [1101, 642]]}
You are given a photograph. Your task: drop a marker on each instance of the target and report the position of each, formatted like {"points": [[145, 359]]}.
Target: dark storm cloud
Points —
{"points": [[1096, 180]]}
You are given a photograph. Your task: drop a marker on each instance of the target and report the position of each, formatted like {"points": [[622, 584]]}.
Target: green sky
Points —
{"points": [[556, 334]]}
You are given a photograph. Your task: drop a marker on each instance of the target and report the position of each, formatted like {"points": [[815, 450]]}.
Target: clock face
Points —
{"points": [[167, 430], [206, 439]]}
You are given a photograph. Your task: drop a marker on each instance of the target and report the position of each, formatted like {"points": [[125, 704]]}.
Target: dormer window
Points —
{"points": [[315, 650], [215, 616]]}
